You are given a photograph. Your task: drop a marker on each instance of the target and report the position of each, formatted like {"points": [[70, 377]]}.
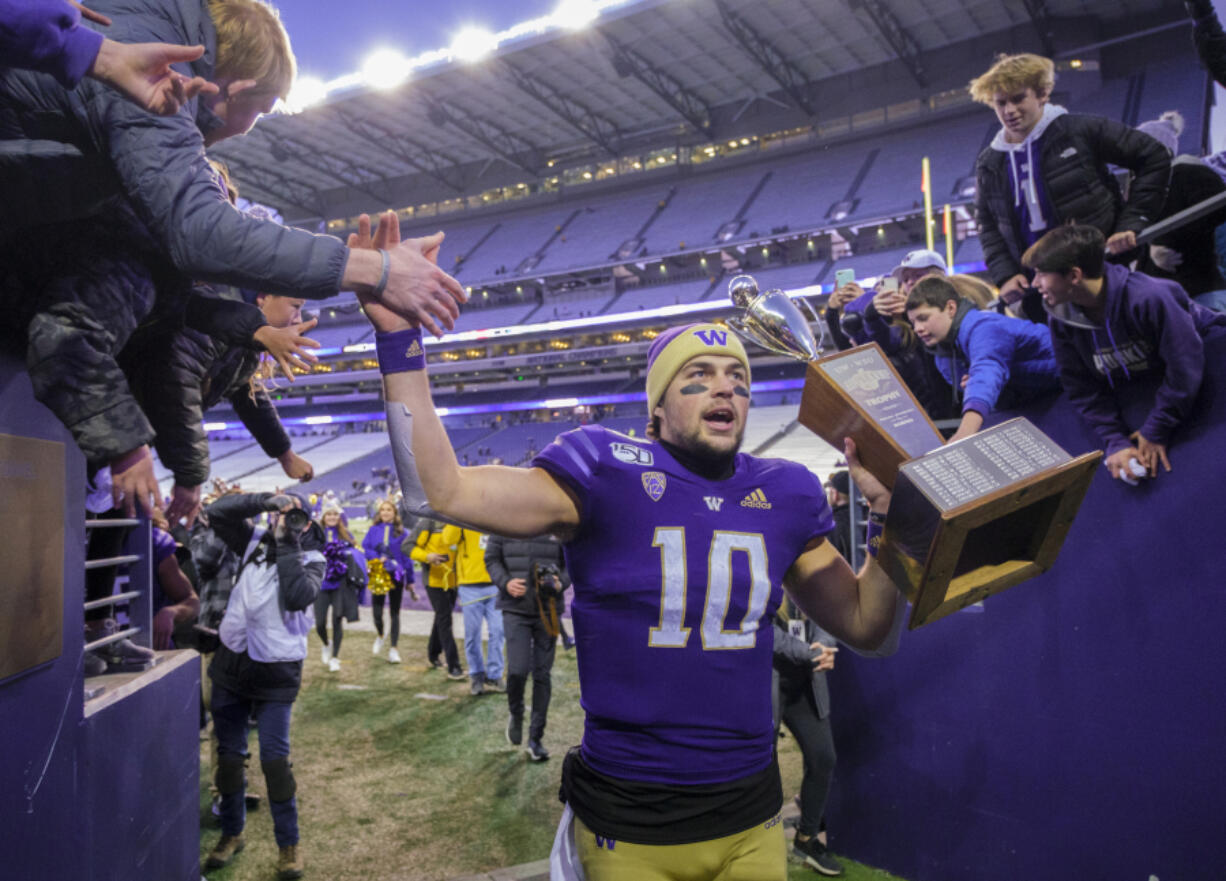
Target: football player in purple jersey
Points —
{"points": [[679, 548]]}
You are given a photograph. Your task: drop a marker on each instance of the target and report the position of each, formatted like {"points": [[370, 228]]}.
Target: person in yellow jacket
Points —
{"points": [[431, 548], [477, 594]]}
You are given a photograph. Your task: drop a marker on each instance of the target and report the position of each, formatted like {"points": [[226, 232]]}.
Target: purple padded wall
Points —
{"points": [[140, 779], [1071, 727], [41, 709], [113, 796]]}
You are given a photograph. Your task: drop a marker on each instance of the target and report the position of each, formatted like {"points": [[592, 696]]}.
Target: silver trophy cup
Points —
{"points": [[773, 320]]}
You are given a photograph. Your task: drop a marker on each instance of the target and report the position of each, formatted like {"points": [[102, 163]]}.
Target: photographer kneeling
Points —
{"points": [[257, 669], [531, 575]]}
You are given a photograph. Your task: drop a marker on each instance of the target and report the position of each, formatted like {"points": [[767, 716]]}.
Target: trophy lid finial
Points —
{"points": [[742, 290]]}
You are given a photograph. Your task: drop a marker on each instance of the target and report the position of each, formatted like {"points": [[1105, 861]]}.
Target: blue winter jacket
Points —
{"points": [[1007, 360], [68, 154]]}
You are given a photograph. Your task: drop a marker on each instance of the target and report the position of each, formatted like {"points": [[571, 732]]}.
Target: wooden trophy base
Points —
{"points": [[959, 532]]}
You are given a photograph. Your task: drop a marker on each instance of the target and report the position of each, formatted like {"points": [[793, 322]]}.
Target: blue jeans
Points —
{"points": [[477, 604], [230, 716]]}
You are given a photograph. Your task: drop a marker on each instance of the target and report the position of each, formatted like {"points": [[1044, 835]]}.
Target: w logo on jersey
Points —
{"points": [[712, 337], [713, 502], [602, 842], [654, 483]]}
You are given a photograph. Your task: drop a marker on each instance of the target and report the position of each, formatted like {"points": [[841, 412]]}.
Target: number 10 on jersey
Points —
{"points": [[671, 632]]}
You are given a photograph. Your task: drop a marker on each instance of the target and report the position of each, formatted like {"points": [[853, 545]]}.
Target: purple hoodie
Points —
{"points": [[1150, 327], [47, 36]]}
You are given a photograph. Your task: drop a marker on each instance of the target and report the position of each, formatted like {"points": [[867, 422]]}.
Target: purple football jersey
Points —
{"points": [[676, 581]]}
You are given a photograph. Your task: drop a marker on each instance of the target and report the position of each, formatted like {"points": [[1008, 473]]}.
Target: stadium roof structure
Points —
{"points": [[644, 75]]}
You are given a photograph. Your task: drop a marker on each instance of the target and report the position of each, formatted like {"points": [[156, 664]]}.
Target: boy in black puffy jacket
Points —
{"points": [[1047, 167]]}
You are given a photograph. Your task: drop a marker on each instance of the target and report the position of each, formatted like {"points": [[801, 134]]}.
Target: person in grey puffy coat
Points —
{"points": [[75, 153]]}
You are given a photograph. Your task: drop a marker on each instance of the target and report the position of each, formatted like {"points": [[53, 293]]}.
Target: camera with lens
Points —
{"points": [[547, 578], [296, 519]]}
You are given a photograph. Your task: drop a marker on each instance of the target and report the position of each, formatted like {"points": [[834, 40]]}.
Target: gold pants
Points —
{"points": [[757, 854]]}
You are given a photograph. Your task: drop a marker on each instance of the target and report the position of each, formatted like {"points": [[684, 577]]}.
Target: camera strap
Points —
{"points": [[548, 618]]}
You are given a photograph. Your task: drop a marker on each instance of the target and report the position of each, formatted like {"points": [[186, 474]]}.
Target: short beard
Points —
{"points": [[700, 449]]}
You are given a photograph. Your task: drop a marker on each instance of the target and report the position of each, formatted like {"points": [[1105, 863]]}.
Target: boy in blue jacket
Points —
{"points": [[988, 359], [1109, 326]]}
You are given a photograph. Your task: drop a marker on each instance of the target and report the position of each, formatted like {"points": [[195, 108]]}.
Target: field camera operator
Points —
{"points": [[530, 575], [257, 669]]}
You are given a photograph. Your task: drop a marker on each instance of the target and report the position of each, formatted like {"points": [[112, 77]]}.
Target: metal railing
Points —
{"points": [[134, 577]]}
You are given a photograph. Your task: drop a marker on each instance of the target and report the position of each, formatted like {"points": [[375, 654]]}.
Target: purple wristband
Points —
{"points": [[872, 535], [401, 351]]}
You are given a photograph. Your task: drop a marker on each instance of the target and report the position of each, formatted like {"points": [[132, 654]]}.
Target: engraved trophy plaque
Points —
{"points": [[966, 520]]}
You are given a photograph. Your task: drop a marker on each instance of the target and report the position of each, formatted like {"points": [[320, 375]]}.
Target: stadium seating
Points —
{"points": [[699, 207], [598, 230], [651, 296], [324, 456]]}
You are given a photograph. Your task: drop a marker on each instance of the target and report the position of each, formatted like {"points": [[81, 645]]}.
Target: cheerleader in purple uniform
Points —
{"points": [[389, 572], [339, 590]]}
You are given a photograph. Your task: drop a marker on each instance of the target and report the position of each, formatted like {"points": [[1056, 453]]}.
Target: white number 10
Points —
{"points": [[670, 633]]}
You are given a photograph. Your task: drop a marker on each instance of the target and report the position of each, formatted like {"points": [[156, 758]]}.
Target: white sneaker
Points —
{"points": [[325, 654], [378, 646], [393, 656], [334, 665]]}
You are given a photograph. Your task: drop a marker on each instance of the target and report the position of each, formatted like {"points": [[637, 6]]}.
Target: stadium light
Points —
{"points": [[472, 44], [307, 91], [385, 69], [575, 14]]}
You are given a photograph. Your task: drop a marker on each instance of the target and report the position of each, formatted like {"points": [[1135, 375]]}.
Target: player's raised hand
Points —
{"points": [[417, 289], [873, 490]]}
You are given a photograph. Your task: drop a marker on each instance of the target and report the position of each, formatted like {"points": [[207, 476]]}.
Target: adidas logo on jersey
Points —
{"points": [[756, 499], [414, 351]]}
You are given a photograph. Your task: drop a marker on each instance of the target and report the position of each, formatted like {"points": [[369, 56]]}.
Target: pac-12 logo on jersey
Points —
{"points": [[631, 454], [654, 483]]}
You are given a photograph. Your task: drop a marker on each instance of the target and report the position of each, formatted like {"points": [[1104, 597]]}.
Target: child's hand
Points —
{"points": [[1150, 454], [1014, 289], [295, 466], [288, 346], [1117, 463], [184, 504], [133, 483], [1122, 242]]}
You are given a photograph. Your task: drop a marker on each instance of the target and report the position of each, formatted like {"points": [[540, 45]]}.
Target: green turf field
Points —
{"points": [[396, 784]]}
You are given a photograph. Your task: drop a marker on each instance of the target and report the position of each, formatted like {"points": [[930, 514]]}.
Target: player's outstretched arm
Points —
{"points": [[861, 610], [515, 502]]}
